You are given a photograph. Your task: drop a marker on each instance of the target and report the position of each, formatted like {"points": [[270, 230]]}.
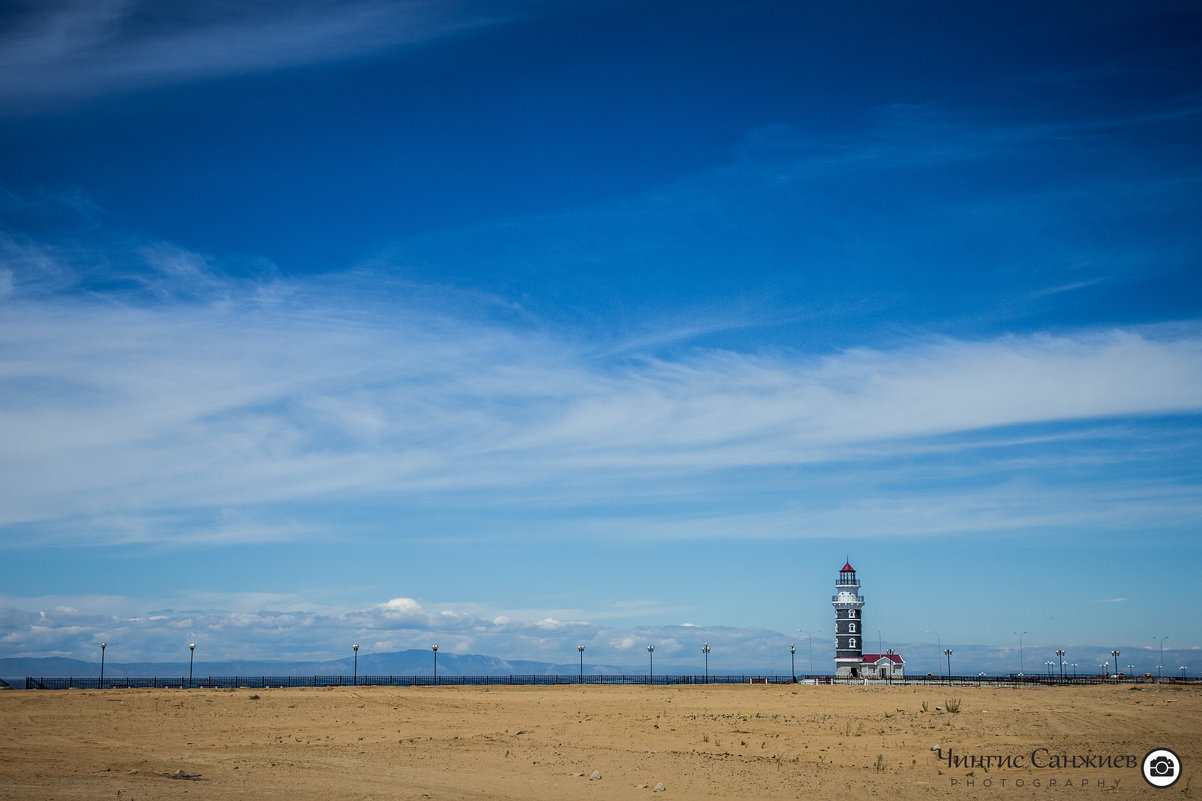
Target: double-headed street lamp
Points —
{"points": [[580, 648], [792, 663], [191, 656], [948, 653], [355, 680], [1115, 654], [705, 649], [651, 665], [810, 647], [938, 638], [434, 648], [1060, 655], [100, 685]]}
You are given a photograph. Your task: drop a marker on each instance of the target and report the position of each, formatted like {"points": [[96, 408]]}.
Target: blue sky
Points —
{"points": [[512, 326]]}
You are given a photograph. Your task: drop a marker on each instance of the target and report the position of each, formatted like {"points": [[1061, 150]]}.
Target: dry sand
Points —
{"points": [[719, 742]]}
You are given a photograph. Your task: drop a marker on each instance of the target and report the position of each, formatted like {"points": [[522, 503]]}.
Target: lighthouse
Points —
{"points": [[849, 625]]}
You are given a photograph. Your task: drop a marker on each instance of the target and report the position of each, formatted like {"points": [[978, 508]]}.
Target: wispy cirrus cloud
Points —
{"points": [[67, 50], [191, 403], [1030, 217]]}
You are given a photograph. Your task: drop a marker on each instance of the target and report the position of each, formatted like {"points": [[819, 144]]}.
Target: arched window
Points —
{"points": [[853, 627], [851, 613], [851, 643]]}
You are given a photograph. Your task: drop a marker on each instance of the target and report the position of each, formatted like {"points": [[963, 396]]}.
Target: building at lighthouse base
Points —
{"points": [[888, 665]]}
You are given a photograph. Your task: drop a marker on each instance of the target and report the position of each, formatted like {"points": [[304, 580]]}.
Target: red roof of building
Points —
{"points": [[874, 658], [847, 568]]}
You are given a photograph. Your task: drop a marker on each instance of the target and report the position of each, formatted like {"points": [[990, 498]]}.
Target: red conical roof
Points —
{"points": [[847, 568]]}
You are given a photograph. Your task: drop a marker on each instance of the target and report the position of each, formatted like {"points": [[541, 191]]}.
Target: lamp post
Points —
{"points": [[434, 648], [100, 684], [1182, 669], [792, 663], [1060, 655], [1115, 654], [1130, 670], [1105, 666], [948, 653], [651, 664], [938, 638], [1049, 665], [1020, 652], [580, 648], [810, 648], [1160, 667], [355, 680], [880, 652], [705, 649], [191, 656], [1074, 670]]}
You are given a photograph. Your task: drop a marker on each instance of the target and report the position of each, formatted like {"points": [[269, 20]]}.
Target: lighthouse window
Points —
{"points": [[853, 627], [851, 643], [851, 613]]}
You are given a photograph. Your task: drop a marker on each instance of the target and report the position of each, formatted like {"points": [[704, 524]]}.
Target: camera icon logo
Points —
{"points": [[1161, 768]]}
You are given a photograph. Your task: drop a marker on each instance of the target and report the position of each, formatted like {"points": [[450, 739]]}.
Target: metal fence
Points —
{"points": [[268, 682]]}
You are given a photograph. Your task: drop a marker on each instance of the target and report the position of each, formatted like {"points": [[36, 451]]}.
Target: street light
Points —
{"points": [[580, 648], [1160, 667], [651, 666], [355, 680], [705, 649], [100, 685], [1115, 654], [792, 664], [1020, 651], [1060, 654], [938, 638], [948, 653], [191, 656], [1074, 670], [435, 649], [1049, 664], [1182, 669], [810, 647]]}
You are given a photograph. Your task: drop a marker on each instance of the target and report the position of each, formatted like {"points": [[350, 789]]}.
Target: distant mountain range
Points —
{"points": [[398, 663]]}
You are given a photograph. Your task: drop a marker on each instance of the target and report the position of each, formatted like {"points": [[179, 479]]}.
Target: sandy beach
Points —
{"points": [[593, 742]]}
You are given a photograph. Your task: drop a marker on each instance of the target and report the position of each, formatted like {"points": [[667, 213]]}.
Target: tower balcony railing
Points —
{"points": [[858, 600], [847, 583]]}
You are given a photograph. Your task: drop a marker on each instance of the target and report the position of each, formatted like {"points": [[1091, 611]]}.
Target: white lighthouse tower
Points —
{"points": [[849, 624]]}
